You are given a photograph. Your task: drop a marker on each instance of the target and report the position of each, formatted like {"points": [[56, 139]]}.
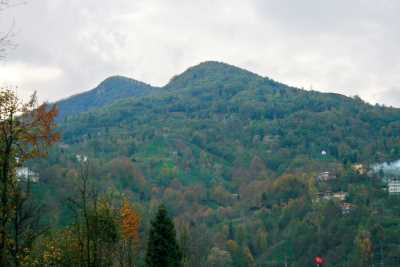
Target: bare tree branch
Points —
{"points": [[4, 4], [6, 41], [6, 38]]}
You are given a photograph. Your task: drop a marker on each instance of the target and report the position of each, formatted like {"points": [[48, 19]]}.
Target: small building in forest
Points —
{"points": [[346, 207], [359, 168], [338, 197], [325, 176], [328, 195], [394, 186], [235, 196], [25, 174]]}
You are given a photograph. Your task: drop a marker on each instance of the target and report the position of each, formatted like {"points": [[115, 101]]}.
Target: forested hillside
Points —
{"points": [[235, 158], [110, 90]]}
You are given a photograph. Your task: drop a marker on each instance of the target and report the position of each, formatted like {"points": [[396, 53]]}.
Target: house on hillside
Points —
{"points": [[25, 174], [341, 196], [338, 197], [394, 186], [359, 168], [328, 195], [235, 196], [63, 146], [81, 158], [325, 176], [346, 207]]}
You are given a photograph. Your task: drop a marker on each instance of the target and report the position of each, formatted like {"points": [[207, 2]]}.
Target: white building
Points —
{"points": [[26, 174], [325, 176], [328, 195], [394, 186], [346, 207], [81, 158], [340, 196]]}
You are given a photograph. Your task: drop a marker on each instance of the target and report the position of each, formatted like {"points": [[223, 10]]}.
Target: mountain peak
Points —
{"points": [[112, 79], [109, 90], [212, 63], [217, 66], [117, 80], [209, 70]]}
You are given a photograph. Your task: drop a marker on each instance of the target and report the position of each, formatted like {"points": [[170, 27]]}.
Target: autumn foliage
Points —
{"points": [[130, 222], [26, 130]]}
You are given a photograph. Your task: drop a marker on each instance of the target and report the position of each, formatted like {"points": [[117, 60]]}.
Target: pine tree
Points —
{"points": [[162, 248]]}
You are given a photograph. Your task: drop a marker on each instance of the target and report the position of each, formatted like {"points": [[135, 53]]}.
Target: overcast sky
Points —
{"points": [[69, 46]]}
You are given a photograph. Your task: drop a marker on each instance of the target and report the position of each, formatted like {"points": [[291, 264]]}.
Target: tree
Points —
{"points": [[130, 223], [26, 130], [26, 222], [364, 245], [162, 247], [79, 204], [95, 220], [231, 232], [219, 258]]}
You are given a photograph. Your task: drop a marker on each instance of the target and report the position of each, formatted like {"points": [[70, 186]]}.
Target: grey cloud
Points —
{"points": [[390, 97], [348, 47]]}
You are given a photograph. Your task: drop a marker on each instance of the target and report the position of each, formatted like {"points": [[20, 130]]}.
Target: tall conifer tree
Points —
{"points": [[162, 247]]}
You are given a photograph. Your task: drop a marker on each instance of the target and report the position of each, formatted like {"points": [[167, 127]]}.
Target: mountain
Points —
{"points": [[235, 157], [232, 114], [111, 89], [209, 71]]}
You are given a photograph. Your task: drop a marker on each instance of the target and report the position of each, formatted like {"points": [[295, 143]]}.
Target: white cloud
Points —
{"points": [[17, 73], [26, 77]]}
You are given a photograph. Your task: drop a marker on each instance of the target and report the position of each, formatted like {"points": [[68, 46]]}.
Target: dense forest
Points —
{"points": [[232, 168]]}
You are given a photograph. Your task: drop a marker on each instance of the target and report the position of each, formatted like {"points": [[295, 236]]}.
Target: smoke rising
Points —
{"points": [[388, 168]]}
